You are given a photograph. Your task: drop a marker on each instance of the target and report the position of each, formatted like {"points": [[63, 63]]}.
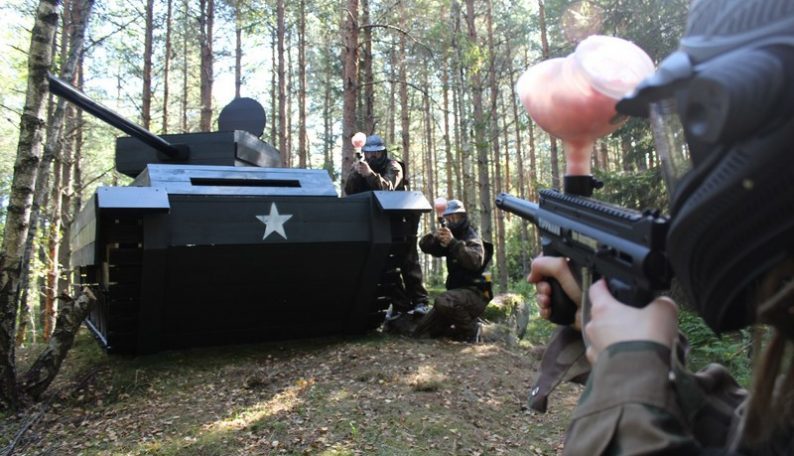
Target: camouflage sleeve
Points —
{"points": [[630, 406], [390, 178], [469, 253], [429, 244]]}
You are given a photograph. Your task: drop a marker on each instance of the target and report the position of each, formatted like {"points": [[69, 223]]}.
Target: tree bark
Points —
{"points": [[274, 91], [501, 258], [22, 187], [206, 22], [392, 112], [282, 84], [43, 371], [186, 27], [303, 143], [238, 48], [480, 135], [62, 145], [349, 84], [288, 128], [368, 114], [167, 64], [447, 141], [146, 96], [328, 159], [522, 187], [555, 161], [430, 184], [73, 48], [405, 110], [604, 161]]}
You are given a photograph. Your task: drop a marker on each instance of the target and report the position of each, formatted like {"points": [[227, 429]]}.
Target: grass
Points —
{"points": [[376, 394]]}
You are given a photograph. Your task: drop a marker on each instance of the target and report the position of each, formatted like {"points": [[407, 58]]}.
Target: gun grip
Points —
{"points": [[631, 296], [563, 309]]}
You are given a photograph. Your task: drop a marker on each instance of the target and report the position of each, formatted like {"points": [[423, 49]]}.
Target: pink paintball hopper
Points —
{"points": [[440, 205], [573, 98], [358, 140]]}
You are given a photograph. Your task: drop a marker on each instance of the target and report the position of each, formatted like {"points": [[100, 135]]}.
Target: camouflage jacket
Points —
{"points": [[389, 178], [641, 400], [465, 256]]}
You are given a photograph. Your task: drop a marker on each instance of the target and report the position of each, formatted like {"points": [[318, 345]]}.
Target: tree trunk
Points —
{"points": [[77, 202], [43, 371], [405, 110], [73, 48], [328, 159], [458, 167], [625, 151], [604, 161], [480, 135], [501, 258], [206, 21], [238, 49], [507, 184], [522, 187], [544, 42], [53, 242], [146, 96], [288, 74], [447, 141], [349, 84], [282, 84], [22, 187], [430, 187], [186, 22], [274, 92], [303, 143], [392, 112], [63, 146], [465, 179], [368, 114], [167, 65], [67, 202]]}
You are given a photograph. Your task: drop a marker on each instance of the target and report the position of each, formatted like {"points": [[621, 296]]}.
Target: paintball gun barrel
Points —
{"points": [[626, 247]]}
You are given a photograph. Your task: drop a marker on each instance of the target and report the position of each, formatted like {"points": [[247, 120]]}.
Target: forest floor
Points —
{"points": [[376, 394]]}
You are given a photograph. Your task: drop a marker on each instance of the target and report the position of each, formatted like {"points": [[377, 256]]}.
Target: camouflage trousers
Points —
{"points": [[454, 315]]}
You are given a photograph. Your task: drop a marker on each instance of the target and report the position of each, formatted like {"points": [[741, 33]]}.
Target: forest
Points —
{"points": [[435, 78]]}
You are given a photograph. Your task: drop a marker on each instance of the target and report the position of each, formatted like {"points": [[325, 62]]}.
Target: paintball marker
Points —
{"points": [[440, 205], [358, 140], [625, 246]]}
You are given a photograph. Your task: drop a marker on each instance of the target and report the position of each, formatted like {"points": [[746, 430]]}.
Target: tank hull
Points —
{"points": [[274, 254]]}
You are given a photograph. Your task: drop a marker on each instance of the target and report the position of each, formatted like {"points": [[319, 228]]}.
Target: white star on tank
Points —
{"points": [[274, 222]]}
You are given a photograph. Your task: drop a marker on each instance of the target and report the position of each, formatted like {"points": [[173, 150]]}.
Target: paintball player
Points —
{"points": [[455, 312], [379, 172], [728, 92]]}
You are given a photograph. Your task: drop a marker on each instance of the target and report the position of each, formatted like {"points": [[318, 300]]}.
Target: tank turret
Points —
{"points": [[214, 244]]}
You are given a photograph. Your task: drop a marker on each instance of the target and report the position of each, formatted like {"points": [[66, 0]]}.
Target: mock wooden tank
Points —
{"points": [[207, 248]]}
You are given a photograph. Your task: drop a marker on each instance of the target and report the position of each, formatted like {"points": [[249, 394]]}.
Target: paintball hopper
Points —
{"points": [[358, 141], [573, 98], [440, 205]]}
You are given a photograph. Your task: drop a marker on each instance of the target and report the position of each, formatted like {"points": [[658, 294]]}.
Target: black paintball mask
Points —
{"points": [[722, 113], [458, 227], [375, 153]]}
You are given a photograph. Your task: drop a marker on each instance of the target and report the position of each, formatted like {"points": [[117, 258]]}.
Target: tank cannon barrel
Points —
{"points": [[66, 91]]}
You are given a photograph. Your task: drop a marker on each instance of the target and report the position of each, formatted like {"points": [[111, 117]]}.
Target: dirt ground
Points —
{"points": [[378, 394]]}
